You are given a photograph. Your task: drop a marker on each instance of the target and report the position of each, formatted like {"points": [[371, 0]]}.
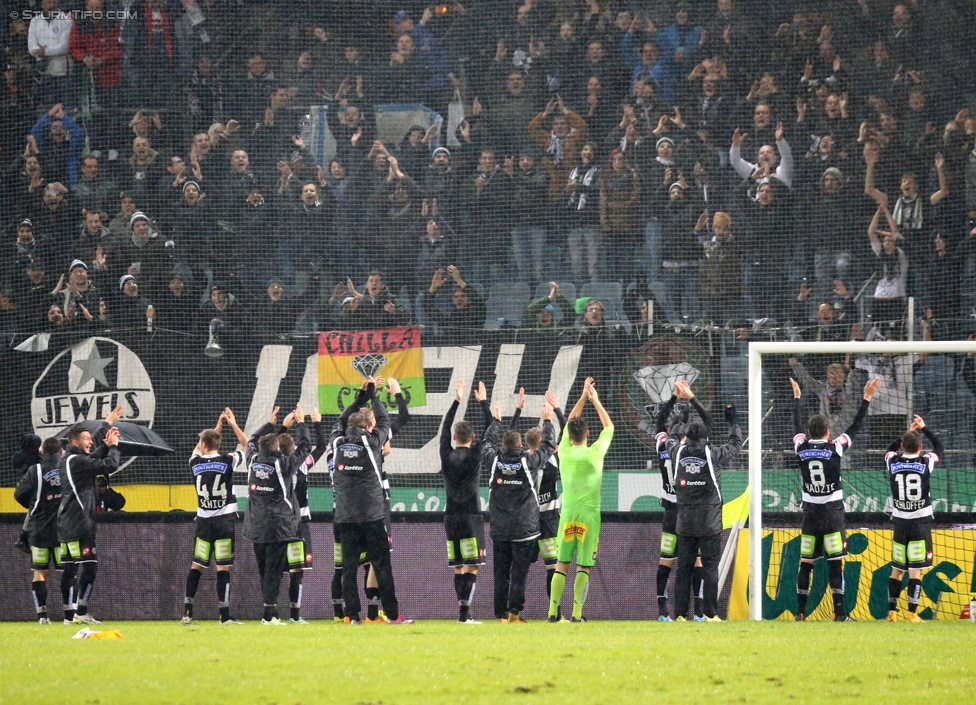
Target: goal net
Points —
{"points": [[929, 379]]}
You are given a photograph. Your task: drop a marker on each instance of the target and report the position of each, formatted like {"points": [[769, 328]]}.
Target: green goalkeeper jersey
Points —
{"points": [[581, 469]]}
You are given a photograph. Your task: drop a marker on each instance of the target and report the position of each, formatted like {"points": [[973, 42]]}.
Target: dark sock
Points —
{"points": [[69, 591], [192, 583], [663, 571], [803, 587], [269, 612], [468, 581], [372, 603], [85, 583], [549, 573], [337, 593], [223, 594], [696, 585], [894, 590], [836, 580], [914, 593], [295, 594], [460, 579], [39, 589]]}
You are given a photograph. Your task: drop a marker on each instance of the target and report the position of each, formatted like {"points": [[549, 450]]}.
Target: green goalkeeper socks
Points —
{"points": [[581, 586], [556, 592]]}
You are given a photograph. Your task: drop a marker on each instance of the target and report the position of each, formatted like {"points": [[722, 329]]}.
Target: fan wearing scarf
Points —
{"points": [[583, 211], [561, 142], [908, 212]]}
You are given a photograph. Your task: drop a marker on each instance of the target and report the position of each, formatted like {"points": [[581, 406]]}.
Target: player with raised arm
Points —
{"points": [[356, 445], [337, 559], [374, 615], [824, 532], [514, 503], [271, 518], [581, 467], [464, 522], [39, 491], [213, 476], [697, 468], [545, 483], [78, 468], [549, 501], [669, 535], [910, 473], [303, 545]]}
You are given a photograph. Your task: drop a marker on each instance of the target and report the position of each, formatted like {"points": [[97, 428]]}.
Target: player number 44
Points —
{"points": [[209, 494]]}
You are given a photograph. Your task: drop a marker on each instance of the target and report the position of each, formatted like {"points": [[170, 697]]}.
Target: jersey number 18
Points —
{"points": [[909, 487]]}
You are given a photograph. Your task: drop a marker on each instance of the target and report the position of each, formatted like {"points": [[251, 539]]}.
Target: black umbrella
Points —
{"points": [[133, 438]]}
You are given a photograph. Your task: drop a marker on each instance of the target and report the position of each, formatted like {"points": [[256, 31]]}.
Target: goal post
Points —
{"points": [[756, 352]]}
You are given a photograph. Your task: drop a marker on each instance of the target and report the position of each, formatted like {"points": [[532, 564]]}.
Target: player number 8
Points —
{"points": [[817, 476]]}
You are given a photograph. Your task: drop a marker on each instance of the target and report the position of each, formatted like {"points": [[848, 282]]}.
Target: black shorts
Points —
{"points": [[305, 534], [337, 547], [214, 537], [547, 544], [44, 556], [911, 543], [824, 533], [669, 531], [465, 539], [79, 551]]}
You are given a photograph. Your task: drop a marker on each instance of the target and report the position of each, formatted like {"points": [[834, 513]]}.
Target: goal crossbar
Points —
{"points": [[756, 352]]}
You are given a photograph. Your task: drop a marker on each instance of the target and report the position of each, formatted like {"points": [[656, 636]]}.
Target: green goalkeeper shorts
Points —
{"points": [[579, 533]]}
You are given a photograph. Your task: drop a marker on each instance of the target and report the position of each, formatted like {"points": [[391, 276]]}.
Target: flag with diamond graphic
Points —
{"points": [[346, 359]]}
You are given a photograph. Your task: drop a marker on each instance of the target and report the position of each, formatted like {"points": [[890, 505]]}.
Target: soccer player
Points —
{"points": [[911, 514], [39, 491], [823, 531], [514, 503], [271, 519], [697, 470], [213, 476], [84, 459], [374, 615], [581, 467], [545, 483], [464, 522], [669, 536], [549, 502], [356, 443]]}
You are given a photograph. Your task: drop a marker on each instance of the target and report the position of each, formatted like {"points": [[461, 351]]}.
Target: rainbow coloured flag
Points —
{"points": [[346, 359]]}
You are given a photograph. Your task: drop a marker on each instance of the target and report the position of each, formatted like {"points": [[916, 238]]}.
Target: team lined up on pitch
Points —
{"points": [[529, 519]]}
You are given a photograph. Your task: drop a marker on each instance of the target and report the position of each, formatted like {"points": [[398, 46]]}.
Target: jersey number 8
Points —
{"points": [[909, 487], [818, 478]]}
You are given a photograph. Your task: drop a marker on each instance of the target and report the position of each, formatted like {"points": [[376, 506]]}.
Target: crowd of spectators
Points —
{"points": [[727, 160]]}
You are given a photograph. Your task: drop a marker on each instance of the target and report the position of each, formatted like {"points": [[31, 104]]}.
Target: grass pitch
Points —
{"points": [[436, 661]]}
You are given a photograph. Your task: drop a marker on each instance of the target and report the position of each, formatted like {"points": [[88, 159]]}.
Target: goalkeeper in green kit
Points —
{"points": [[581, 468]]}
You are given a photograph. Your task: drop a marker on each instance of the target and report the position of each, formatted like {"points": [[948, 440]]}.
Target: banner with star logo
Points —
{"points": [[346, 359]]}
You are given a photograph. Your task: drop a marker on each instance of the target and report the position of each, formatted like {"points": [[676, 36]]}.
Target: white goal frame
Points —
{"points": [[756, 352]]}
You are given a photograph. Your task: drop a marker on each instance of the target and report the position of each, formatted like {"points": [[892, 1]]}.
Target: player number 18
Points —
{"points": [[909, 487]]}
